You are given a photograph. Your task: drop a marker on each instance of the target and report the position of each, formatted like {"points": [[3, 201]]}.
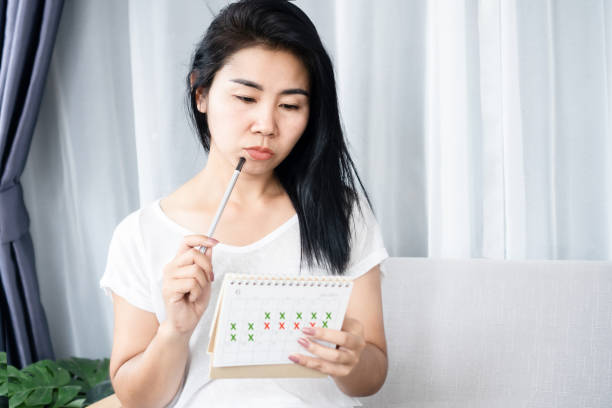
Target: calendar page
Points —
{"points": [[260, 318]]}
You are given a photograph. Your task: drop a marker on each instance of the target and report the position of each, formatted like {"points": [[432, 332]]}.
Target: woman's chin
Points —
{"points": [[257, 167]]}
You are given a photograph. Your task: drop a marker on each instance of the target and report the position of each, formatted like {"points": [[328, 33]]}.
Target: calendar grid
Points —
{"points": [[261, 318]]}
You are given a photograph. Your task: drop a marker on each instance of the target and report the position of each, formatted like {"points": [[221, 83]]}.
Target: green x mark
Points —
{"points": [[282, 315], [233, 337], [267, 315], [299, 315], [328, 315], [324, 323], [233, 326], [314, 315], [251, 326], [251, 337]]}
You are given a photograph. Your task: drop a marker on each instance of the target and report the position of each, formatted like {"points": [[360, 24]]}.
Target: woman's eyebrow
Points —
{"points": [[252, 84]]}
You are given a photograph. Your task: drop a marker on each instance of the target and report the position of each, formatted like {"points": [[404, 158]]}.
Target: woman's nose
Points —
{"points": [[265, 122]]}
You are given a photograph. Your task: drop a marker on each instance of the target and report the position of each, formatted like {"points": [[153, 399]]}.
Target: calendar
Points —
{"points": [[258, 320]]}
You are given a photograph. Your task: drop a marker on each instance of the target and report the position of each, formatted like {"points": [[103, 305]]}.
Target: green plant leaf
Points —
{"points": [[91, 372], [12, 371], [80, 383], [47, 383], [99, 391], [40, 373], [40, 396], [77, 403], [18, 398], [35, 383], [3, 359], [30, 377], [66, 394], [3, 374], [43, 373], [13, 386], [61, 376]]}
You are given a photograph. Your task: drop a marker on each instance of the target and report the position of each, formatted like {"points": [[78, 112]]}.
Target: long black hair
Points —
{"points": [[318, 175]]}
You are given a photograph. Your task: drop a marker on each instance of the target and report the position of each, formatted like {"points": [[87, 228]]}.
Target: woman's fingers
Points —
{"points": [[342, 356], [338, 361], [324, 366], [195, 293], [177, 288], [191, 271], [193, 256], [345, 339], [196, 241], [187, 276]]}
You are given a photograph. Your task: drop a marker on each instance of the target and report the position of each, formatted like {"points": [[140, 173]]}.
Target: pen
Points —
{"points": [[228, 191]]}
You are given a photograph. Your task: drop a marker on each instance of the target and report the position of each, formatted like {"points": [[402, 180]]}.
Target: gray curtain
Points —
{"points": [[28, 30]]}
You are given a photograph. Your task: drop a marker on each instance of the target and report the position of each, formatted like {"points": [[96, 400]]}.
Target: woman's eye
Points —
{"points": [[291, 107], [245, 98]]}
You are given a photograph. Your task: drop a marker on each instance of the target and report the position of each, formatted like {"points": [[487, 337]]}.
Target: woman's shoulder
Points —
{"points": [[367, 245], [362, 213], [131, 225]]}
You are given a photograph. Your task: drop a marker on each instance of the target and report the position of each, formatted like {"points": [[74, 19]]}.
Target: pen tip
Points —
{"points": [[240, 163]]}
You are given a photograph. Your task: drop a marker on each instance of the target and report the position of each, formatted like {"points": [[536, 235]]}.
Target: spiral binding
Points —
{"points": [[301, 281]]}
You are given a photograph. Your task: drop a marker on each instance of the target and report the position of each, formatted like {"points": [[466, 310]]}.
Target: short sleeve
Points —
{"points": [[367, 247], [126, 272]]}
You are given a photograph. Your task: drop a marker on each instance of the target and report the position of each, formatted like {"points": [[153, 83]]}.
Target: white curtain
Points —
{"points": [[480, 129], [517, 130]]}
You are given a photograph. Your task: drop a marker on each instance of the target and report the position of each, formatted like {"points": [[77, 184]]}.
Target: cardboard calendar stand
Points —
{"points": [[289, 370]]}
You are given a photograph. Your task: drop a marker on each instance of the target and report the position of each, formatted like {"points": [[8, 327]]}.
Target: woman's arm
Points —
{"points": [[359, 365], [148, 359], [369, 374], [365, 307]]}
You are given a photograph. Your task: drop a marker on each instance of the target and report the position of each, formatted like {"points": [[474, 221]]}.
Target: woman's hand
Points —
{"points": [[186, 284], [339, 361]]}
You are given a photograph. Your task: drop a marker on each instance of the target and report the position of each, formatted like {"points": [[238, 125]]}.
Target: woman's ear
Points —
{"points": [[199, 96], [200, 100]]}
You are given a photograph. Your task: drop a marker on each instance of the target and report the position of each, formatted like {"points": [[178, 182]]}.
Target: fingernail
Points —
{"points": [[294, 359], [303, 342], [308, 330], [214, 241], [212, 277]]}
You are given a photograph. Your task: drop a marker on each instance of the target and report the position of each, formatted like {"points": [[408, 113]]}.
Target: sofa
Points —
{"points": [[487, 333]]}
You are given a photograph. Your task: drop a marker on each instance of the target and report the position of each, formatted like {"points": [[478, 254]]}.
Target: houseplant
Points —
{"points": [[73, 382]]}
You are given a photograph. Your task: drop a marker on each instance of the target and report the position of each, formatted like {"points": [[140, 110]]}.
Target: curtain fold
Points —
{"points": [[29, 31]]}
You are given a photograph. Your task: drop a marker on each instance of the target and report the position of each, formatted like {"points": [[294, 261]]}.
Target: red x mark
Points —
{"points": [[296, 325], [282, 325], [267, 325], [312, 324]]}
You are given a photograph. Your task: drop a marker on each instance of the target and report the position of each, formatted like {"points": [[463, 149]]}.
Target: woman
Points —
{"points": [[261, 87]]}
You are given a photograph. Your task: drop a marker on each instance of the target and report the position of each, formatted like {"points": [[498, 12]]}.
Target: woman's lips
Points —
{"points": [[259, 153]]}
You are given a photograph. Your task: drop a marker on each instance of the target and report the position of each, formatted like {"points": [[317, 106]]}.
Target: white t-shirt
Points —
{"points": [[147, 239]]}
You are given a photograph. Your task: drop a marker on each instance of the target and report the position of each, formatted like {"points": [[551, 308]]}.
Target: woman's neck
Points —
{"points": [[250, 189]]}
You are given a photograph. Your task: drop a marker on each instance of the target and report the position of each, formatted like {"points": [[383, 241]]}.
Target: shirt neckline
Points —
{"points": [[230, 248]]}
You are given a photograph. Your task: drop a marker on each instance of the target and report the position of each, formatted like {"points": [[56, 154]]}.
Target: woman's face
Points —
{"points": [[259, 99]]}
